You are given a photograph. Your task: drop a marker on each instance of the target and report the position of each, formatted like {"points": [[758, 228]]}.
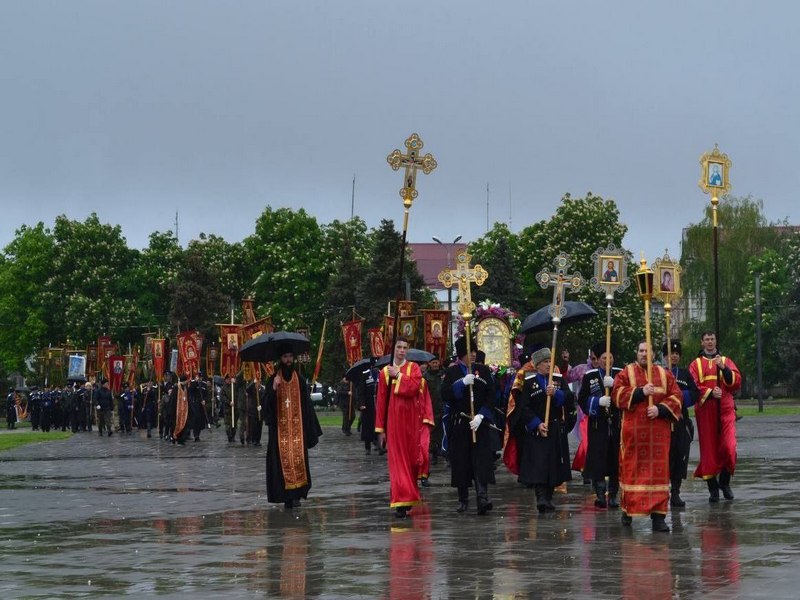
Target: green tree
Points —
{"points": [[27, 318], [155, 272], [197, 302], [787, 320], [227, 263], [497, 252], [775, 289], [290, 275], [579, 227], [90, 287], [744, 232], [379, 284]]}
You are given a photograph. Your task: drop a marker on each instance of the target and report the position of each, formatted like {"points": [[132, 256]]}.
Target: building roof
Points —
{"points": [[431, 258]]}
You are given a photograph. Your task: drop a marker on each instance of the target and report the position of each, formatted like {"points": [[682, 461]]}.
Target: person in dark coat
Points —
{"points": [[346, 404], [543, 448], [471, 462], [682, 431], [602, 454], [288, 404], [105, 408], [11, 409], [365, 389], [433, 375]]}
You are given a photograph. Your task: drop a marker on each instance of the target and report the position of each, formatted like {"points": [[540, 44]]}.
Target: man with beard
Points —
{"points": [[649, 404], [683, 431], [718, 379], [602, 455], [470, 462], [402, 410], [541, 446], [293, 429]]}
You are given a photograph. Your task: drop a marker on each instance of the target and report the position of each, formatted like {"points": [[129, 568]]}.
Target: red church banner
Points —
{"points": [[436, 327], [116, 367], [351, 333], [388, 333], [159, 352], [229, 350], [189, 362], [212, 355], [375, 342]]}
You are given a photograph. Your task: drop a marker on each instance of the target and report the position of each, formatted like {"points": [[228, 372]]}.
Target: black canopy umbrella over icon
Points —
{"points": [[542, 320], [413, 355], [269, 346]]}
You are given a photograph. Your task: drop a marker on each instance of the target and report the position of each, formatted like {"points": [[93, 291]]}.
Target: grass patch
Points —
{"points": [[330, 419], [769, 411], [12, 440]]}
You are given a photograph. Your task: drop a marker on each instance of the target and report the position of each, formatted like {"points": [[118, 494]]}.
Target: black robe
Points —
{"points": [[469, 461], [276, 487], [365, 396], [602, 453], [683, 430], [542, 460]]}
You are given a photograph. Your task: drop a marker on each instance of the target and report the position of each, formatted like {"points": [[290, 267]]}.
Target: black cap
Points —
{"points": [[461, 346], [674, 347]]}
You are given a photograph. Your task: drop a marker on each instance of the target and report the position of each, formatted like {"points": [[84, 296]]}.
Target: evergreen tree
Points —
{"points": [[496, 252], [197, 302]]}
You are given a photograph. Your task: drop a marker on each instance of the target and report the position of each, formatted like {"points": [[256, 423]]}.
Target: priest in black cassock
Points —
{"points": [[293, 429]]}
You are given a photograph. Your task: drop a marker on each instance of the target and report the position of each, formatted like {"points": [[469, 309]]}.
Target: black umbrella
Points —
{"points": [[265, 347], [354, 373], [541, 320], [413, 354]]}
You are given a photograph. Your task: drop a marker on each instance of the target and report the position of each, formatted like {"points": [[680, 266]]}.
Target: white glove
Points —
{"points": [[469, 379], [608, 381], [97, 407], [476, 422], [605, 401]]}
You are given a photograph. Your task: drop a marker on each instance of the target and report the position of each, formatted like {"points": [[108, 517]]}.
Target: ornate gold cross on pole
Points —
{"points": [[560, 281], [465, 276], [411, 162]]}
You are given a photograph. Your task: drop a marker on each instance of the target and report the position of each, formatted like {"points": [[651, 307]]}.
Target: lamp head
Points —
{"points": [[644, 279]]}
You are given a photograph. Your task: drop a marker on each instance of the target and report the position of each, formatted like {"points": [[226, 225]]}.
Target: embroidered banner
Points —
{"points": [[116, 367], [435, 331], [212, 355], [159, 351], [375, 341], [305, 357], [187, 350], [408, 329], [351, 333], [388, 332], [229, 352]]}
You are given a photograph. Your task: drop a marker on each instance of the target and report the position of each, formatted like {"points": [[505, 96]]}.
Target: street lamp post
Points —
{"points": [[449, 291]]}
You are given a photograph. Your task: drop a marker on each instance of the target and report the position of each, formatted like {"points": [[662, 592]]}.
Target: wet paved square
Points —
{"points": [[109, 517]]}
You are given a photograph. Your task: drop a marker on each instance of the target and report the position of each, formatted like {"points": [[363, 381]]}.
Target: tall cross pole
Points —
{"points": [[560, 281], [411, 162], [465, 276]]}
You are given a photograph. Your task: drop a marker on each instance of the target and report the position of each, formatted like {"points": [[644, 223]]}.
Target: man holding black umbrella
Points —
{"points": [[293, 429]]}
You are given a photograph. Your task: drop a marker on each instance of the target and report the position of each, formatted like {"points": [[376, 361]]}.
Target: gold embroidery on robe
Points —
{"points": [[291, 444]]}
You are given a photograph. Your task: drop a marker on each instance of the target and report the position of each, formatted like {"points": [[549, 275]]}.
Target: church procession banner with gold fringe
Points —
{"points": [[189, 363], [116, 368], [375, 342], [351, 333], [159, 352], [229, 351], [436, 326], [388, 332]]}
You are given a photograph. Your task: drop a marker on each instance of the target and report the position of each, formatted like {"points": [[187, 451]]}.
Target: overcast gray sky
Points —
{"points": [[216, 109]]}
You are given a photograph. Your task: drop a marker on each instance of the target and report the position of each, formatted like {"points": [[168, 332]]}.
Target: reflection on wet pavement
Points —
{"points": [[100, 517]]}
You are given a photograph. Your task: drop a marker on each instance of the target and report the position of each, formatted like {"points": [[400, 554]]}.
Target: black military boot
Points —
{"points": [[548, 499], [541, 499], [675, 500], [713, 490], [613, 489], [659, 524], [463, 499], [482, 495], [626, 520], [600, 492], [725, 485]]}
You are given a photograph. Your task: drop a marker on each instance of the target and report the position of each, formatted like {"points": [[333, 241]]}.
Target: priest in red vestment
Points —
{"points": [[717, 378], [400, 415], [648, 409]]}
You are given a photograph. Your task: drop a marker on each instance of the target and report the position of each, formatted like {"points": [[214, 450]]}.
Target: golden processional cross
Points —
{"points": [[465, 276], [560, 281], [411, 162]]}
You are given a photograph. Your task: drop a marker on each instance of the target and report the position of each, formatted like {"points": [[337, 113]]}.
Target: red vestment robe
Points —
{"points": [[716, 418], [644, 442], [401, 414]]}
